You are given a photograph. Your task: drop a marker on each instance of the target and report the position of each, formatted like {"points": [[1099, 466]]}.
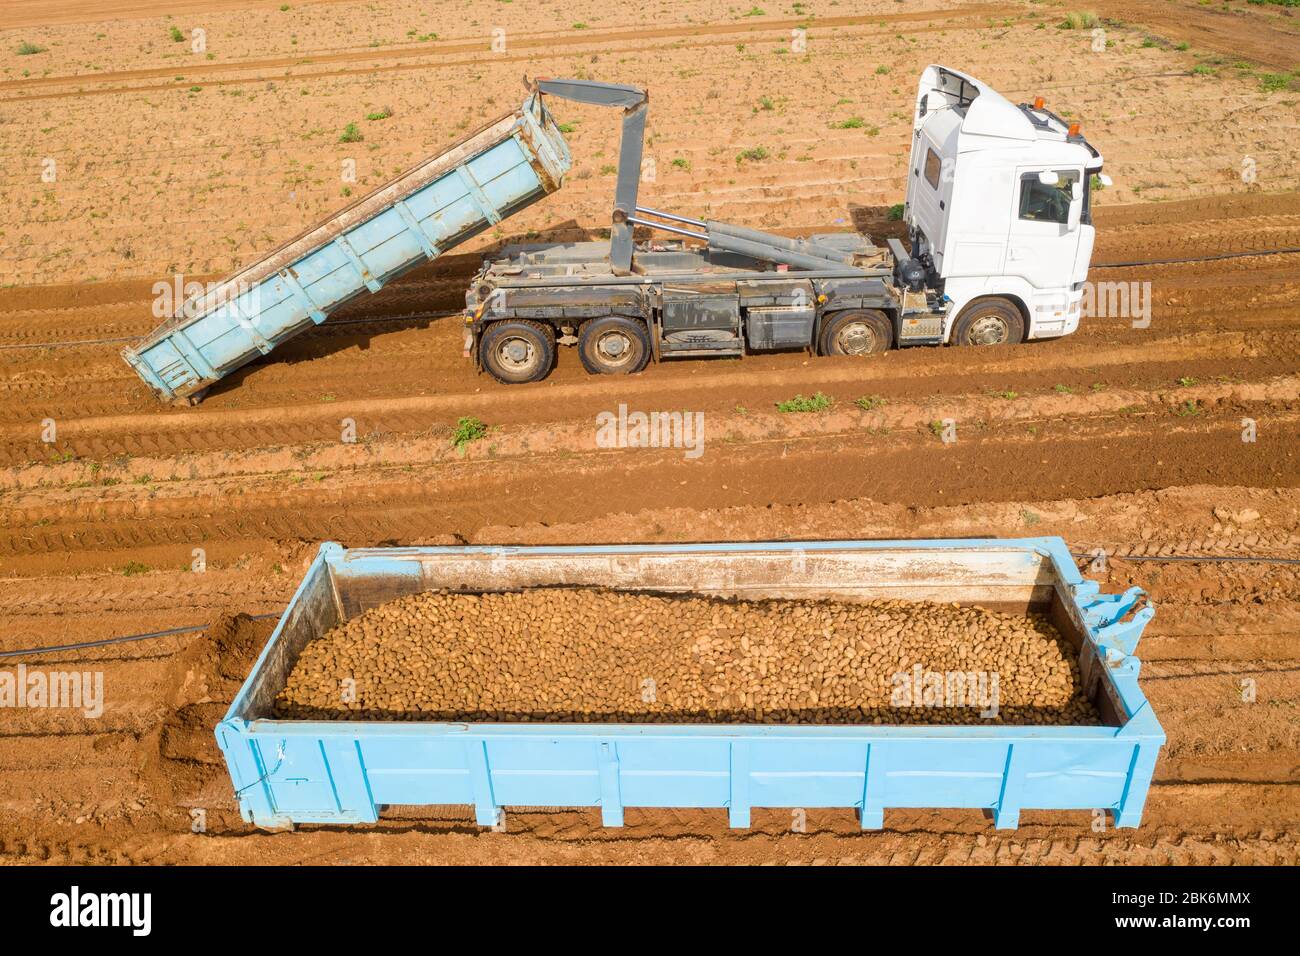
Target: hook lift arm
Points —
{"points": [[635, 103]]}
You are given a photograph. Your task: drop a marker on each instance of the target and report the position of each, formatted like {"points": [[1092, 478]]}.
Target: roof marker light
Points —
{"points": [[1074, 129], [1038, 102]]}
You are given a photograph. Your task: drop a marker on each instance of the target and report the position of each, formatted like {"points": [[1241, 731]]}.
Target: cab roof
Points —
{"points": [[986, 112]]}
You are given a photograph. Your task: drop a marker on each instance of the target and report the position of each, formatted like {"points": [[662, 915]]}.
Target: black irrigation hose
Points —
{"points": [[1195, 558], [1221, 255], [123, 640], [1207, 559], [418, 317], [415, 317]]}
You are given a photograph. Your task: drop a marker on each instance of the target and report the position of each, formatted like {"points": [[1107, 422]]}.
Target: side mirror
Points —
{"points": [[1076, 192], [1048, 177], [1076, 210], [1105, 180]]}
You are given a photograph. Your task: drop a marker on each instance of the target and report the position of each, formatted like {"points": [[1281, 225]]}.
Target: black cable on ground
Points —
{"points": [[170, 632], [73, 343], [1194, 558], [1213, 258]]}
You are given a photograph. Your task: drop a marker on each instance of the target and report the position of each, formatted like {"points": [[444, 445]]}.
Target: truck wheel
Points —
{"points": [[614, 345], [856, 332], [994, 321], [516, 351]]}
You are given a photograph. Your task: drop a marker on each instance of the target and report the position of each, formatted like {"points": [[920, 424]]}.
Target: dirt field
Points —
{"points": [[1121, 438]]}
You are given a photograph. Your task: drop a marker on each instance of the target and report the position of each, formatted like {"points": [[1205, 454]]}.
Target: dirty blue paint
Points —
{"points": [[289, 772]]}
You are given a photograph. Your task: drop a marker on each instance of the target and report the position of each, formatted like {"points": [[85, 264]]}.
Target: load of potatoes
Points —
{"points": [[596, 655]]}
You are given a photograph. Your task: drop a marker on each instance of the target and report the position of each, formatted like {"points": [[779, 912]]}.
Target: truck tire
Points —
{"points": [[613, 345], [992, 321], [856, 332], [514, 351]]}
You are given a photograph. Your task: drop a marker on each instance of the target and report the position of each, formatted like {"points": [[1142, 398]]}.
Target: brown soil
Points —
{"points": [[1117, 438]]}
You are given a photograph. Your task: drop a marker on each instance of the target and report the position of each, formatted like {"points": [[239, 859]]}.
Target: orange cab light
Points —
{"points": [[1038, 102], [1074, 129]]}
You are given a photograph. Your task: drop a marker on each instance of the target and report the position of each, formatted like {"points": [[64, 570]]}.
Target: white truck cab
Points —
{"points": [[998, 210]]}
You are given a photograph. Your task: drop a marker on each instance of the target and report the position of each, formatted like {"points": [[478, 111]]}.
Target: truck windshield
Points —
{"points": [[1040, 202]]}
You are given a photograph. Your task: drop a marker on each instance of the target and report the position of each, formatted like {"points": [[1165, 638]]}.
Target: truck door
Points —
{"points": [[1044, 240], [930, 194]]}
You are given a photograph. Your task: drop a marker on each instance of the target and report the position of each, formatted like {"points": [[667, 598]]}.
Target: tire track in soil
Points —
{"points": [[587, 42], [1184, 818]]}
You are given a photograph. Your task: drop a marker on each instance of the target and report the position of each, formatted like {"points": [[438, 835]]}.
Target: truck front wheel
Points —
{"points": [[613, 345], [993, 321], [856, 332], [516, 352]]}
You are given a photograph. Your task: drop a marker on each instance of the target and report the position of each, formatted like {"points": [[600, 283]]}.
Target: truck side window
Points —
{"points": [[1042, 203], [932, 165]]}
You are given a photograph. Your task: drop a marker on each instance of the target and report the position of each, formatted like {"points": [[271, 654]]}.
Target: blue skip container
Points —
{"points": [[286, 772], [417, 216]]}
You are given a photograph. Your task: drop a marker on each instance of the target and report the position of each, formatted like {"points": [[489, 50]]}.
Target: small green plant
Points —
{"points": [[1272, 82], [1204, 69], [351, 134], [1063, 389], [133, 568], [936, 427], [895, 212], [1078, 21], [568, 127], [818, 402], [1008, 395], [680, 163], [1182, 46], [1187, 408], [1187, 381], [29, 49], [882, 70], [284, 7], [755, 154], [467, 431], [379, 115], [580, 26], [869, 402], [765, 103], [755, 12], [853, 122], [176, 35], [609, 169]]}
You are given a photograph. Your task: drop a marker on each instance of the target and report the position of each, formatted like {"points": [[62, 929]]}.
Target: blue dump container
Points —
{"points": [[476, 182], [291, 771]]}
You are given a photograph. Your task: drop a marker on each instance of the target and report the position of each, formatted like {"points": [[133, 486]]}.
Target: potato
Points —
{"points": [[595, 655]]}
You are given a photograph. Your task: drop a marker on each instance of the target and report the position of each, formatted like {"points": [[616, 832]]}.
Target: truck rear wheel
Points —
{"points": [[614, 345], [856, 332], [516, 351], [993, 321]]}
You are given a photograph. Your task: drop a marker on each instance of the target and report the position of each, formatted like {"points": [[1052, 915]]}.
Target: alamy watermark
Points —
{"points": [[920, 687], [190, 298], [53, 689], [626, 429], [1117, 300]]}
